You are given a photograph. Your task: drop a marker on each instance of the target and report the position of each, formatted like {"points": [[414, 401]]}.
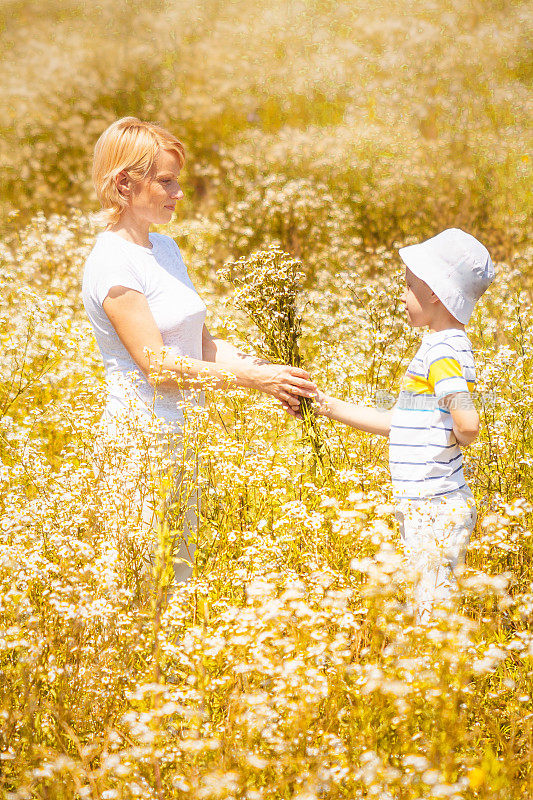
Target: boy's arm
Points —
{"points": [[370, 420], [445, 375], [464, 415]]}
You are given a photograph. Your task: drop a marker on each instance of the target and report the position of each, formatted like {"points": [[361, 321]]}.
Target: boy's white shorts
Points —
{"points": [[435, 536]]}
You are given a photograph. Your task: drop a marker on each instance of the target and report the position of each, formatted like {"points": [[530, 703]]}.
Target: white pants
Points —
{"points": [[154, 487], [435, 536]]}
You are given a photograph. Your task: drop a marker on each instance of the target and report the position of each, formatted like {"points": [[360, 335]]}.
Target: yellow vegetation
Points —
{"points": [[289, 666]]}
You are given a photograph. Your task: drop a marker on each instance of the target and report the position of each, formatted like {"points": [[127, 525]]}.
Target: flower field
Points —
{"points": [[289, 667]]}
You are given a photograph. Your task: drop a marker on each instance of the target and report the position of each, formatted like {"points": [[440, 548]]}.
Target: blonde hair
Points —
{"points": [[132, 146]]}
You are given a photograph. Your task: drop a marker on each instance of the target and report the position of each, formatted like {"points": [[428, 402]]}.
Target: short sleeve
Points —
{"points": [[445, 374], [119, 274]]}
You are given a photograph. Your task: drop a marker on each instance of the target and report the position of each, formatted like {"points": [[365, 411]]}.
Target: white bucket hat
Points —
{"points": [[455, 266]]}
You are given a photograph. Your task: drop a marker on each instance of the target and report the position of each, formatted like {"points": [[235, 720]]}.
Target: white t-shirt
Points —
{"points": [[160, 274], [424, 456]]}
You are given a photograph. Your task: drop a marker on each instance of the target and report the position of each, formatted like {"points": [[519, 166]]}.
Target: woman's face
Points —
{"points": [[153, 199]]}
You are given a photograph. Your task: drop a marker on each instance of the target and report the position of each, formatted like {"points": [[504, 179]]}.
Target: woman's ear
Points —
{"points": [[123, 184]]}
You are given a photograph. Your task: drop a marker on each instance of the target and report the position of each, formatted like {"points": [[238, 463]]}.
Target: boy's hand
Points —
{"points": [[321, 403], [370, 420], [291, 411]]}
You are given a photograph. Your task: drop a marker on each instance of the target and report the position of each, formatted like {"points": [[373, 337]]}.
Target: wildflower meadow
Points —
{"points": [[320, 137]]}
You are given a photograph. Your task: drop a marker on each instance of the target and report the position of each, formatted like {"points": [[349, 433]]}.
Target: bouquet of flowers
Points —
{"points": [[267, 285]]}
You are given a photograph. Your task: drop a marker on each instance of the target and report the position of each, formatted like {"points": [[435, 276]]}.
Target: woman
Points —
{"points": [[143, 306]]}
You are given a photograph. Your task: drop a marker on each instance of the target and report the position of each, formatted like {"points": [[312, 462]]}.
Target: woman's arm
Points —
{"points": [[219, 351], [232, 359], [130, 315], [370, 420]]}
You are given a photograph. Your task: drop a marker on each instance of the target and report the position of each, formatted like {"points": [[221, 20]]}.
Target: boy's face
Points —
{"points": [[419, 300]]}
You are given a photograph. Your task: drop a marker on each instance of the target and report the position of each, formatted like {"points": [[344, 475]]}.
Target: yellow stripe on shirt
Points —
{"points": [[444, 367], [416, 383]]}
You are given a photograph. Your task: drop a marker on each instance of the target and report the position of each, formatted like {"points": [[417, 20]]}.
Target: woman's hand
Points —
{"points": [[285, 383]]}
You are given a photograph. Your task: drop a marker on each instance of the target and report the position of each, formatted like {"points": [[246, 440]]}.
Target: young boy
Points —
{"points": [[434, 415]]}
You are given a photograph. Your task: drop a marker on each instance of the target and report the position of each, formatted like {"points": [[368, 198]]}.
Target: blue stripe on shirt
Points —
{"points": [[445, 344], [428, 463], [460, 378], [409, 428], [423, 428], [428, 444], [455, 350], [429, 478], [438, 494]]}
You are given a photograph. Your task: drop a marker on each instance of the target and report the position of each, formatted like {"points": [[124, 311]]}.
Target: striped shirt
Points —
{"points": [[424, 456]]}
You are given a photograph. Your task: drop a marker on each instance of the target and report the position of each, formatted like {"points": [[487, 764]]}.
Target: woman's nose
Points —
{"points": [[177, 192]]}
